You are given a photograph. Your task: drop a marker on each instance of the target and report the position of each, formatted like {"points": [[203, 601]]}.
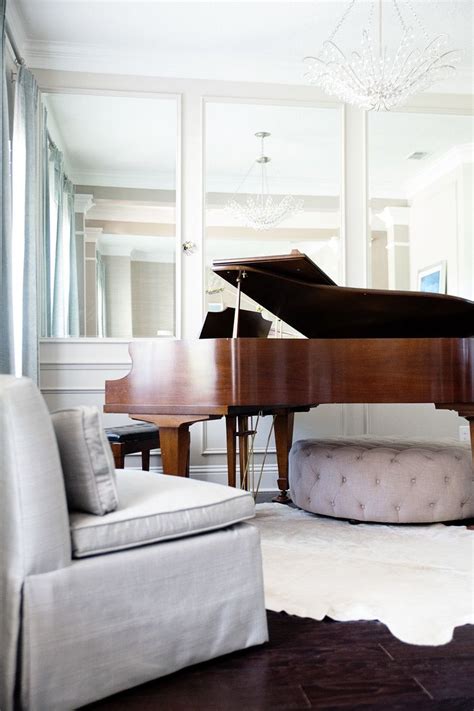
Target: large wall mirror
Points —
{"points": [[421, 202], [110, 185], [304, 146]]}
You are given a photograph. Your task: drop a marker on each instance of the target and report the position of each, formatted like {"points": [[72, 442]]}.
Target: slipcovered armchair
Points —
{"points": [[77, 629]]}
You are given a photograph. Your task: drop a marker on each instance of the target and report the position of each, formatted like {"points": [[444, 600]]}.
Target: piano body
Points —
{"points": [[362, 346]]}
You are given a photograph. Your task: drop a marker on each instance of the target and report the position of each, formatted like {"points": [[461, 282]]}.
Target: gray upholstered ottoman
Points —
{"points": [[383, 479]]}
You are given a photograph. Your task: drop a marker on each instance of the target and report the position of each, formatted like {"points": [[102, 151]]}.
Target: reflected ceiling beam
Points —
{"points": [[125, 211], [311, 202], [136, 195], [147, 229], [283, 233]]}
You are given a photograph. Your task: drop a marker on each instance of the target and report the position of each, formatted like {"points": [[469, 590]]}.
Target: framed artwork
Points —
{"points": [[433, 278]]}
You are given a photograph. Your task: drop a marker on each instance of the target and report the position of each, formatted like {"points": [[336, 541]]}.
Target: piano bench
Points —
{"points": [[383, 480], [127, 439]]}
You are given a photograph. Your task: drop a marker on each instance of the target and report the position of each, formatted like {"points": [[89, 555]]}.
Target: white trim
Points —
{"points": [[223, 451], [90, 339], [72, 391], [82, 203], [77, 365], [178, 299], [391, 245], [320, 103]]}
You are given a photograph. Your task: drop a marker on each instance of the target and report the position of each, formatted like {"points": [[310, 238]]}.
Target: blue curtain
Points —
{"points": [[45, 270], [61, 305], [26, 213], [6, 308]]}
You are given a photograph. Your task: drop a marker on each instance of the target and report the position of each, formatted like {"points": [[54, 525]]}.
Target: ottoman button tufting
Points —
{"points": [[421, 467]]}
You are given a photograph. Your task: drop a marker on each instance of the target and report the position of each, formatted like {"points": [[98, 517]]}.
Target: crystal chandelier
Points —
{"points": [[374, 77], [261, 211]]}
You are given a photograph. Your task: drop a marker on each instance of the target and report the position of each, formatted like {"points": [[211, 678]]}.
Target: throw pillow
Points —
{"points": [[87, 460]]}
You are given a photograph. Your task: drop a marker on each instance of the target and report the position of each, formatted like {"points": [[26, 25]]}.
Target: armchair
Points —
{"points": [[77, 629]]}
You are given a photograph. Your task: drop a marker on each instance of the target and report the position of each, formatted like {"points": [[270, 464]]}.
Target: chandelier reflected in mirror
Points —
{"points": [[262, 211], [383, 72]]}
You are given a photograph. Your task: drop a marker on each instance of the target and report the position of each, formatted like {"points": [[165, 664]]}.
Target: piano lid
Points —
{"points": [[295, 289]]}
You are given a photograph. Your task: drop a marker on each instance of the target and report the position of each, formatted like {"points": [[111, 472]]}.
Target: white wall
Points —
{"points": [[441, 229]]}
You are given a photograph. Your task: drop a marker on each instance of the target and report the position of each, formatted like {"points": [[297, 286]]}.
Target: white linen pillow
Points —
{"points": [[87, 460]]}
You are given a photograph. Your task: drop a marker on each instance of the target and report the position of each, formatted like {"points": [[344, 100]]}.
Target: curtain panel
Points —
{"points": [[60, 302], [26, 221], [6, 307]]}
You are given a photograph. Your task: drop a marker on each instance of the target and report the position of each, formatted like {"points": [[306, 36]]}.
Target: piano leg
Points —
{"points": [[231, 430], [174, 439], [175, 450], [243, 435], [284, 421]]}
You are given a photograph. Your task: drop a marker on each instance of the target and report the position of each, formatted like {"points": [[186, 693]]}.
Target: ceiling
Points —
{"points": [[241, 41]]}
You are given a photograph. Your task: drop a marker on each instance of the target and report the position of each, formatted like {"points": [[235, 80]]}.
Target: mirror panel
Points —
{"points": [[420, 202], [110, 216], [305, 152]]}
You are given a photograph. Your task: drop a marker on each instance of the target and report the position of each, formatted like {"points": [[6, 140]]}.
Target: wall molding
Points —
{"points": [[72, 391], [215, 472], [76, 365], [206, 450]]}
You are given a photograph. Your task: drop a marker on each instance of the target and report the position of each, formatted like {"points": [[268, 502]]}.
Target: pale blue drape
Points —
{"points": [[26, 222], [60, 258], [6, 309], [45, 270], [57, 246]]}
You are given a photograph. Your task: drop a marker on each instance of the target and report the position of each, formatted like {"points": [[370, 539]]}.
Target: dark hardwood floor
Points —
{"points": [[318, 665]]}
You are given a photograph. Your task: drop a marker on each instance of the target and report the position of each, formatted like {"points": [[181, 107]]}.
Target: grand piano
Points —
{"points": [[361, 346]]}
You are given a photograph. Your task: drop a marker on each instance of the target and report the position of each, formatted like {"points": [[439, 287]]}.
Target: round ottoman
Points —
{"points": [[383, 479]]}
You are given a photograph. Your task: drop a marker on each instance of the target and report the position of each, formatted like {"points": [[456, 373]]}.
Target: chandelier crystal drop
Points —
{"points": [[375, 77], [262, 211]]}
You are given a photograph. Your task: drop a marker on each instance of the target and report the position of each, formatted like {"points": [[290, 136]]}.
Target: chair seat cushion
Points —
{"points": [[156, 507], [385, 480]]}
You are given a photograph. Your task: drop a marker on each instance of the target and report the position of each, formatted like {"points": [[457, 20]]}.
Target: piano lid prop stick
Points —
{"points": [[235, 329]]}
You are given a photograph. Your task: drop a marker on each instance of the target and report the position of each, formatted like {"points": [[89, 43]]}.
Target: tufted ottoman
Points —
{"points": [[383, 479]]}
